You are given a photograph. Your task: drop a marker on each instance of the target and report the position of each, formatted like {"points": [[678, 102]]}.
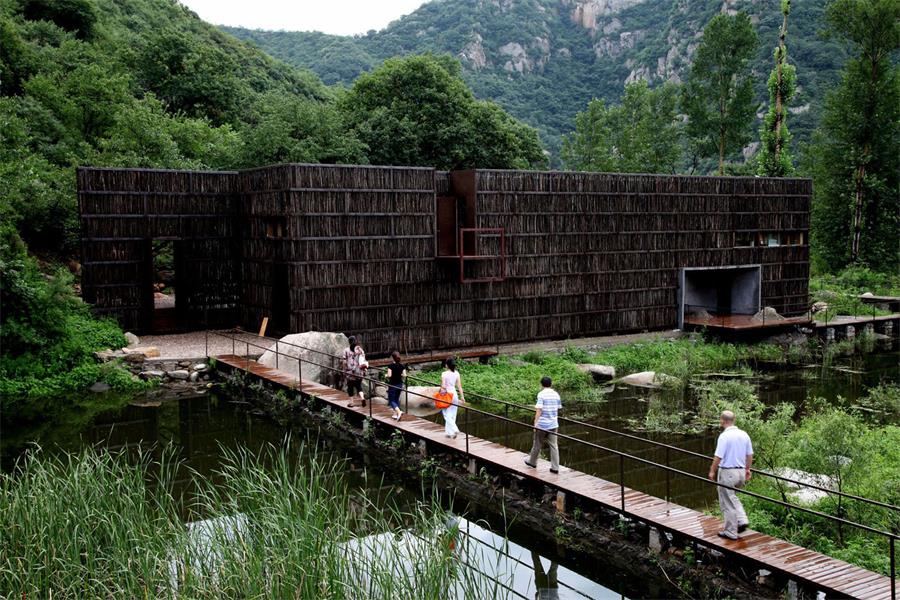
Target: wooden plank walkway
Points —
{"points": [[832, 576]]}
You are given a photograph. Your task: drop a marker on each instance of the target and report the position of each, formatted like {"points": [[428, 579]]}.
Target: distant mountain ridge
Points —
{"points": [[544, 60]]}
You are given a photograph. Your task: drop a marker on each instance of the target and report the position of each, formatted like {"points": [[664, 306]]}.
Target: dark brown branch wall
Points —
{"points": [[353, 249]]}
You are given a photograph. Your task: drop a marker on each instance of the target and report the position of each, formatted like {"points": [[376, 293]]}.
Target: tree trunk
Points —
{"points": [[859, 196], [779, 101], [857, 211], [721, 154]]}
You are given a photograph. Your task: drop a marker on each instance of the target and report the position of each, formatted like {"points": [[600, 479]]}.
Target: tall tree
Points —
{"points": [[640, 135], [718, 94], [419, 111], [856, 167], [774, 157]]}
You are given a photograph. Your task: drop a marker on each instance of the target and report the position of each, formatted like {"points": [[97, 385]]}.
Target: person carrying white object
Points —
{"points": [[450, 383], [731, 466], [355, 365]]}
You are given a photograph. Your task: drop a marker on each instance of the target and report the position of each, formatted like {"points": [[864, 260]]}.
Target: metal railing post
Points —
{"points": [[206, 341], [467, 429], [276, 355], [668, 477], [622, 480], [506, 425], [893, 572], [233, 351]]}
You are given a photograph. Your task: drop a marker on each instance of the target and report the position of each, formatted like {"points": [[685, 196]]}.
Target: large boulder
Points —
{"points": [[132, 340], [599, 372], [650, 379], [314, 354], [418, 400]]}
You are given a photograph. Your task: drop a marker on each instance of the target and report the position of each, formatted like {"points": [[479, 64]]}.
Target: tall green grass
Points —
{"points": [[280, 524]]}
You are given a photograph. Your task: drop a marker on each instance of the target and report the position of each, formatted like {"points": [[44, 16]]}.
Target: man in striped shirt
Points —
{"points": [[546, 423]]}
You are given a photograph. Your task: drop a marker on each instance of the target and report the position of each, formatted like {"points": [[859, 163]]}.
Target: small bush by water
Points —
{"points": [[846, 450], [278, 525], [48, 336]]}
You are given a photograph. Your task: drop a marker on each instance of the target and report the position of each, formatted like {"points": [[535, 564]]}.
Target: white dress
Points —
{"points": [[449, 381]]}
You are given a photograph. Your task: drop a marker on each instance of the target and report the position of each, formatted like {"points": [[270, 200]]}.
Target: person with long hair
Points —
{"points": [[396, 373], [355, 366], [451, 384]]}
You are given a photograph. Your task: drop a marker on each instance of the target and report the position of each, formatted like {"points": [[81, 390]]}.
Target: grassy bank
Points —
{"points": [[516, 379], [277, 525]]}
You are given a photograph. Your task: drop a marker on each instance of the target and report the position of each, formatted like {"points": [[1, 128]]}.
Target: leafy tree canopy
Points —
{"points": [[640, 135], [418, 111], [856, 159], [718, 95]]}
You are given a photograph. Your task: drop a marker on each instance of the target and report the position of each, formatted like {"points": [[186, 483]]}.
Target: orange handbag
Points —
{"points": [[443, 400]]}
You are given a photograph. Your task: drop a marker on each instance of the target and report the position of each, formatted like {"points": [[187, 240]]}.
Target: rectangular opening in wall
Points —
{"points": [[714, 294], [164, 260], [280, 315], [275, 227]]}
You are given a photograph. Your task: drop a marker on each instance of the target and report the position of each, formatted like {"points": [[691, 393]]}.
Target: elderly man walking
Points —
{"points": [[731, 466]]}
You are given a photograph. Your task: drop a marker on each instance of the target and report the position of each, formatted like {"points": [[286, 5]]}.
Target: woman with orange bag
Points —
{"points": [[450, 382]]}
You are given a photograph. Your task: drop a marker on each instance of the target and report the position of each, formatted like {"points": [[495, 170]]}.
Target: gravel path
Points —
{"points": [[194, 344]]}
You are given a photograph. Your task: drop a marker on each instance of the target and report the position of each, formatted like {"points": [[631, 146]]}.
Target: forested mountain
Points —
{"points": [[544, 60], [146, 83]]}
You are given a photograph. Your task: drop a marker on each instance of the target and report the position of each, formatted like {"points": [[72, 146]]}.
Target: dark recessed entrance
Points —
{"points": [[718, 292]]}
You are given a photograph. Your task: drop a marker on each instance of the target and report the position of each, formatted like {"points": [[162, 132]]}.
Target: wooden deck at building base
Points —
{"points": [[826, 574]]}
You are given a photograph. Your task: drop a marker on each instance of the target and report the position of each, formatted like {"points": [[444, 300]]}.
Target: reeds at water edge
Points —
{"points": [[282, 523]]}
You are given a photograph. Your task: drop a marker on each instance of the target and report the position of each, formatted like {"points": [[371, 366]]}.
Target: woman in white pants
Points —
{"points": [[450, 382]]}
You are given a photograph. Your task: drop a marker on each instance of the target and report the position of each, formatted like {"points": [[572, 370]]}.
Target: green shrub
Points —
{"points": [[48, 335]]}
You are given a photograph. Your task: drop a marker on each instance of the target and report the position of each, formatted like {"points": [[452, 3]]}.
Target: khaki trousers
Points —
{"points": [[732, 509], [540, 436]]}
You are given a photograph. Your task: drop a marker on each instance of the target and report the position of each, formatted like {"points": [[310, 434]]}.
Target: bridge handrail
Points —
{"points": [[655, 443], [622, 455]]}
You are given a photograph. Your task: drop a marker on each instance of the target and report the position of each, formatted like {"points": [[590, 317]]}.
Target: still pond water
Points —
{"points": [[205, 428]]}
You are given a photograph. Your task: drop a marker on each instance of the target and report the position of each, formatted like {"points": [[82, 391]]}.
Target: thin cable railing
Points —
{"points": [[622, 456], [668, 447]]}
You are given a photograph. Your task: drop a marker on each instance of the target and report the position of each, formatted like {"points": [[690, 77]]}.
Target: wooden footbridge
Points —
{"points": [[816, 571]]}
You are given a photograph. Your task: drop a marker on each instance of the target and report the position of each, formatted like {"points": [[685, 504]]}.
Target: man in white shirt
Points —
{"points": [[546, 423], [731, 466]]}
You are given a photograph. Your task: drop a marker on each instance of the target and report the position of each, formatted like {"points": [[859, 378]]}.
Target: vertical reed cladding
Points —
{"points": [[365, 240], [354, 248], [124, 210], [594, 253]]}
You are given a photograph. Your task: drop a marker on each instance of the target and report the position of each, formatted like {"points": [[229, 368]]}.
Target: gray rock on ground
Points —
{"points": [[132, 340], [599, 372], [179, 374], [145, 351], [108, 355], [804, 495], [99, 387], [420, 400], [152, 374], [315, 350], [650, 379], [767, 314]]}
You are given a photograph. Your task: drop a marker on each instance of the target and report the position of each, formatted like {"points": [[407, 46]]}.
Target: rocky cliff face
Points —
{"points": [[544, 60], [588, 13]]}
